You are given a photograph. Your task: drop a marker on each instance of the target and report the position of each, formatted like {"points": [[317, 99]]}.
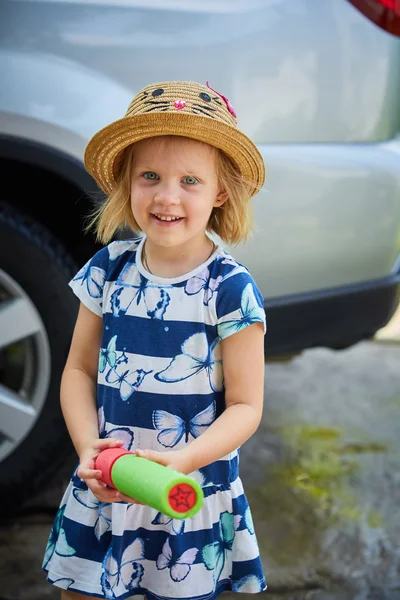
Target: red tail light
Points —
{"points": [[384, 13]]}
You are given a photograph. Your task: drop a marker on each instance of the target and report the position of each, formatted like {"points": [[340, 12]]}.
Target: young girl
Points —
{"points": [[167, 355]]}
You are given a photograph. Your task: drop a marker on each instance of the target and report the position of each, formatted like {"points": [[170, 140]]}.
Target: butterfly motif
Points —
{"points": [[156, 299], [64, 582], [179, 568], [172, 427], [206, 476], [127, 385], [108, 356], [57, 540], [87, 499], [197, 356], [93, 277], [214, 554], [229, 260], [121, 433], [127, 275], [178, 525], [247, 520], [250, 584], [118, 247], [237, 520], [203, 281], [119, 577], [251, 313], [156, 306]]}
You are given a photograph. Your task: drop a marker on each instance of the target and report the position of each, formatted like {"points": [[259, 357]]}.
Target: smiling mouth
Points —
{"points": [[167, 218]]}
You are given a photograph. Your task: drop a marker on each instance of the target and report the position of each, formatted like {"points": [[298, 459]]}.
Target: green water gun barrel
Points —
{"points": [[168, 491]]}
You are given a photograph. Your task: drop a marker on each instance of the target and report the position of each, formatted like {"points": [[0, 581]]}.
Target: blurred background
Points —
{"points": [[316, 84]]}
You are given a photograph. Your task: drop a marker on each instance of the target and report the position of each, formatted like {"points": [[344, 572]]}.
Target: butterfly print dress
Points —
{"points": [[160, 385]]}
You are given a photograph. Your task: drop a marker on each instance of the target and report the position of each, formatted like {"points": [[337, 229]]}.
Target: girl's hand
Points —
{"points": [[175, 459], [91, 476]]}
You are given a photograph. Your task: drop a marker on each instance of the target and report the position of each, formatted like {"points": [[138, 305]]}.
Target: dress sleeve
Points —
{"points": [[239, 304], [88, 283]]}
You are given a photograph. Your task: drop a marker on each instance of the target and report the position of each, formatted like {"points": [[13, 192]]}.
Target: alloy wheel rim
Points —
{"points": [[25, 365]]}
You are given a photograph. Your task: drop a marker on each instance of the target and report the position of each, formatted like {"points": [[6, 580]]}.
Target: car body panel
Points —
{"points": [[45, 102], [304, 71], [328, 215]]}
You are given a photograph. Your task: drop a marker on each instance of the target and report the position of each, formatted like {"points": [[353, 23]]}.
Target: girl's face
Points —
{"points": [[174, 188]]}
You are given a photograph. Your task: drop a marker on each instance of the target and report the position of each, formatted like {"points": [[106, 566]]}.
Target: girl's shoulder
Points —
{"points": [[238, 302], [119, 248], [105, 264], [114, 254], [225, 266], [104, 267]]}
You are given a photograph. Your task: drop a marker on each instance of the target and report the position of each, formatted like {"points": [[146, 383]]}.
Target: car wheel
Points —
{"points": [[37, 316]]}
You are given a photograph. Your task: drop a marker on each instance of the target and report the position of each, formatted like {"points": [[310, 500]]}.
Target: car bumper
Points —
{"points": [[335, 318]]}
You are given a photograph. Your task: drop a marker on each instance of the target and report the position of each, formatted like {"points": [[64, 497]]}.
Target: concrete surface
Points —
{"points": [[322, 476], [390, 333]]}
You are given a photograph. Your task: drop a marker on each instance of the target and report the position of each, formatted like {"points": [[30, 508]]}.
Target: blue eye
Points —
{"points": [[190, 180], [150, 175]]}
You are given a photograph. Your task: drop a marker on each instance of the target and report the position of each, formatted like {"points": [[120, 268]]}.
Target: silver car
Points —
{"points": [[316, 84]]}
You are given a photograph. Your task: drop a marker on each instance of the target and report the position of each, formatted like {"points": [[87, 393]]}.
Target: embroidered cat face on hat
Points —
{"points": [[211, 104]]}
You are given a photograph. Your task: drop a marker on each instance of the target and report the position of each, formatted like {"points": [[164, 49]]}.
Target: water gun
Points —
{"points": [[168, 491]]}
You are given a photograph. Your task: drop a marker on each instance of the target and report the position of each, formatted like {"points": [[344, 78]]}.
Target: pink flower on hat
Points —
{"points": [[228, 104]]}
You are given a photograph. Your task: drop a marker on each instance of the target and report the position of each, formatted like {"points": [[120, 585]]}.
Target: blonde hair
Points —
{"points": [[232, 222]]}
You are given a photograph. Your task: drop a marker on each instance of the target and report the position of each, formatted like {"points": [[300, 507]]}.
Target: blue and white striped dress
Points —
{"points": [[160, 385]]}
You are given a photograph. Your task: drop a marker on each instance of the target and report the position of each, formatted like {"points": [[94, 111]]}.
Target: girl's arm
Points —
{"points": [[243, 361], [78, 400], [78, 382]]}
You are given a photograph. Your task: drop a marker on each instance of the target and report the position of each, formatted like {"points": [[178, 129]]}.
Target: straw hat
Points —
{"points": [[182, 108]]}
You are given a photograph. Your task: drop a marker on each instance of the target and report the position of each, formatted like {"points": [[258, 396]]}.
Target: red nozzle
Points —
{"points": [[182, 497]]}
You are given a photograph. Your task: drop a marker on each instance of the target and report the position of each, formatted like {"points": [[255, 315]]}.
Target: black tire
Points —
{"points": [[32, 258]]}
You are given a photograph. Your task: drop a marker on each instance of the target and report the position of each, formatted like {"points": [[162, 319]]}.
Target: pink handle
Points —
{"points": [[105, 462]]}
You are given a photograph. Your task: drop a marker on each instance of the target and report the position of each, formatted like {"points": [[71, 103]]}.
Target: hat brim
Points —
{"points": [[103, 150]]}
